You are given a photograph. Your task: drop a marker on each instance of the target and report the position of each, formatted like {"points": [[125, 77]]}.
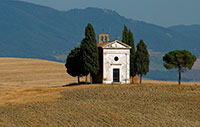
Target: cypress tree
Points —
{"points": [[142, 59], [89, 50], [132, 55], [127, 37]]}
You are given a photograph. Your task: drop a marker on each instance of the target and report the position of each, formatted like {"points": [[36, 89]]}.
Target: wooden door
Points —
{"points": [[116, 75]]}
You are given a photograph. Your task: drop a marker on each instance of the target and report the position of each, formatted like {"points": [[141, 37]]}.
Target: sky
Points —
{"points": [[165, 13]]}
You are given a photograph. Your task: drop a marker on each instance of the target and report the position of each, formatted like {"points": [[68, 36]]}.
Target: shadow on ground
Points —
{"points": [[76, 84]]}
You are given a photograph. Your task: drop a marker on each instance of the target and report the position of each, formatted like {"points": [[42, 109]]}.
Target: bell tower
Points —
{"points": [[103, 38]]}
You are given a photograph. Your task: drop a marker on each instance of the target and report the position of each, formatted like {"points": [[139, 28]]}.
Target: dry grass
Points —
{"points": [[27, 94], [27, 80], [147, 81], [18, 71], [31, 94], [111, 105]]}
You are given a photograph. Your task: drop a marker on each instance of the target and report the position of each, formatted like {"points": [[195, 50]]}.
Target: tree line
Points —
{"points": [[139, 60], [84, 60], [180, 60]]}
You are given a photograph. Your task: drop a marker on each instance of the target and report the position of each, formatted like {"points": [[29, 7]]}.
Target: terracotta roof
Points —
{"points": [[102, 44]]}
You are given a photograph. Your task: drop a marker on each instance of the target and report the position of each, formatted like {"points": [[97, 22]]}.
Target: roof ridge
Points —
{"points": [[103, 45]]}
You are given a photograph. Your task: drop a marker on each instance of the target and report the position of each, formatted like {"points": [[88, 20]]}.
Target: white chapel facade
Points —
{"points": [[114, 61]]}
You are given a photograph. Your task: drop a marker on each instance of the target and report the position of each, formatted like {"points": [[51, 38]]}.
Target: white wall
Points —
{"points": [[109, 63]]}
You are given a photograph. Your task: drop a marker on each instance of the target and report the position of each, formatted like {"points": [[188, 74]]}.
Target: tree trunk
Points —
{"points": [[90, 79], [78, 79], [132, 78], [86, 79], [179, 77], [140, 78]]}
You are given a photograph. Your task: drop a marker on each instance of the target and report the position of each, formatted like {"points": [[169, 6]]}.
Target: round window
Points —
{"points": [[116, 58]]}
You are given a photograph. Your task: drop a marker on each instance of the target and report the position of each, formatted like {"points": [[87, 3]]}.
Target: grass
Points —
{"points": [[16, 71], [110, 105], [28, 100]]}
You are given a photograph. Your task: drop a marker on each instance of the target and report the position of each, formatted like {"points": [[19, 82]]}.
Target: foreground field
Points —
{"points": [[110, 105], [32, 94]]}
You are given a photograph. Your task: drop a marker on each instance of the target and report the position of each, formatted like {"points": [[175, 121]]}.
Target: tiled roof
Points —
{"points": [[102, 44]]}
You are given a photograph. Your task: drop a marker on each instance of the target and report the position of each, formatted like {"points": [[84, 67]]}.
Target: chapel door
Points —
{"points": [[115, 75]]}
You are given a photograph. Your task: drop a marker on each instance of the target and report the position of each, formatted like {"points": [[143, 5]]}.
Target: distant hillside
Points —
{"points": [[29, 30], [191, 33]]}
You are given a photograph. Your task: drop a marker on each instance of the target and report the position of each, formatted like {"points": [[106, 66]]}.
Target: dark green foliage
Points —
{"points": [[142, 59], [89, 51], [132, 54], [73, 65], [127, 37], [179, 59]]}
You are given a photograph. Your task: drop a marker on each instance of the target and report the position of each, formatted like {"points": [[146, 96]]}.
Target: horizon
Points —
{"points": [[154, 12]]}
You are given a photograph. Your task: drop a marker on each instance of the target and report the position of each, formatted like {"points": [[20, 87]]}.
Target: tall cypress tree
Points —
{"points": [[142, 59], [132, 55], [89, 50], [127, 37]]}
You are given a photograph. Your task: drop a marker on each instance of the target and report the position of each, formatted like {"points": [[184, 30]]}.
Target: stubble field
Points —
{"points": [[32, 94]]}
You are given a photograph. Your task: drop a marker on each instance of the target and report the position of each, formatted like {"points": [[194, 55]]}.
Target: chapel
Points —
{"points": [[114, 61]]}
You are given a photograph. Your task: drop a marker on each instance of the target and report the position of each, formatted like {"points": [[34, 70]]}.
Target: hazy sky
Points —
{"points": [[161, 12]]}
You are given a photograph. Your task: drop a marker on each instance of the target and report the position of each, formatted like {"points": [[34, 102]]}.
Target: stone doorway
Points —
{"points": [[116, 77]]}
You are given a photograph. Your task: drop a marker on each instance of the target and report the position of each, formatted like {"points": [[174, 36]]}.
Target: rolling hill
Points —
{"points": [[106, 105], [21, 71], [32, 94], [34, 31]]}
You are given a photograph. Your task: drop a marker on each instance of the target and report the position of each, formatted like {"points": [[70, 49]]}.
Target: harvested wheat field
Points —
{"points": [[149, 104], [19, 71]]}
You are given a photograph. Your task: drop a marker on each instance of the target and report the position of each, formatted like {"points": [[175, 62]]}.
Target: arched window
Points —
{"points": [[105, 38], [102, 39]]}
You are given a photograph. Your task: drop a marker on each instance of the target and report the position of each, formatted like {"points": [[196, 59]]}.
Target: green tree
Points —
{"points": [[73, 65], [127, 37], [132, 55], [142, 59], [89, 51], [179, 59]]}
